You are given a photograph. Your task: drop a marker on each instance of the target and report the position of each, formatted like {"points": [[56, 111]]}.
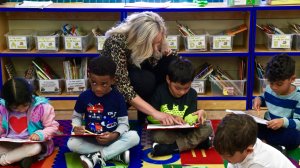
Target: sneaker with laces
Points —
{"points": [[90, 160], [123, 157]]}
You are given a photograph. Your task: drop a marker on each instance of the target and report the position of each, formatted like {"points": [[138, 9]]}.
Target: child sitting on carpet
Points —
{"points": [[176, 97], [283, 101], [25, 116], [101, 110], [236, 141]]}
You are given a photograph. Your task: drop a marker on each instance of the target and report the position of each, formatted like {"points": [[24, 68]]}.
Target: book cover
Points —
{"points": [[236, 30]]}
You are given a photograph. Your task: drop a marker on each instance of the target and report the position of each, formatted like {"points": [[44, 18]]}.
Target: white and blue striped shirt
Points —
{"points": [[283, 106]]}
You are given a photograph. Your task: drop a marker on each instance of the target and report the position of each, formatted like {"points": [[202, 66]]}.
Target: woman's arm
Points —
{"points": [[142, 105]]}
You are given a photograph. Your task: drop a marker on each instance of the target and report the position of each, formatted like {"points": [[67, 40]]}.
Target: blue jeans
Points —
{"points": [[290, 138], [89, 144]]}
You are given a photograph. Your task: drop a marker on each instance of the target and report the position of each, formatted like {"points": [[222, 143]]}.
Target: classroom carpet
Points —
{"points": [[140, 156]]}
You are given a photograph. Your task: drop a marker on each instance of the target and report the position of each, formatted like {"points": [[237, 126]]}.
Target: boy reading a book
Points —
{"points": [[236, 141], [101, 111], [282, 99], [177, 98]]}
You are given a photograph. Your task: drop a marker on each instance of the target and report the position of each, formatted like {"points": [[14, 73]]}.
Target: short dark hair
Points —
{"points": [[181, 70], [279, 68], [102, 66], [16, 91], [235, 133]]}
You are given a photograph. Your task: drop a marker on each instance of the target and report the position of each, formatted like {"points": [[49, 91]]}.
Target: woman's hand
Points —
{"points": [[107, 138], [166, 119], [34, 137]]}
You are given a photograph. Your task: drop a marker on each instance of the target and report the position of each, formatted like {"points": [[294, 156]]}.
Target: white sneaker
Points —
{"points": [[90, 160], [123, 157]]}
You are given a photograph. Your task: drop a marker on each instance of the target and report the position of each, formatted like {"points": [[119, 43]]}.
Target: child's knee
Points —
{"points": [[33, 149], [134, 138]]}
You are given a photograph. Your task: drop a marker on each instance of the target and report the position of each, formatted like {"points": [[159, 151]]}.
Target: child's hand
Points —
{"points": [[79, 130], [107, 137], [256, 103], [201, 116], [275, 124], [34, 137]]}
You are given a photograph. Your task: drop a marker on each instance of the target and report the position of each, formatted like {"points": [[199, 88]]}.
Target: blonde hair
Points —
{"points": [[141, 29]]}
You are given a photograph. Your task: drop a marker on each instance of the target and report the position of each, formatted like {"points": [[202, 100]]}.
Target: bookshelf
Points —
{"points": [[213, 18]]}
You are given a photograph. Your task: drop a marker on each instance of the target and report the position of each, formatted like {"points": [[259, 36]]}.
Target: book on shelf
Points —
{"points": [[44, 70], [236, 30], [75, 68], [10, 69]]}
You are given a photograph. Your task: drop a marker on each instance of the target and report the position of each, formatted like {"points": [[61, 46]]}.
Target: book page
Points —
{"points": [[158, 126], [33, 4], [257, 119], [17, 140]]}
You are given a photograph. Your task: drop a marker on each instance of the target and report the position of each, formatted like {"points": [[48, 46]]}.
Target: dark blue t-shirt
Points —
{"points": [[101, 113]]}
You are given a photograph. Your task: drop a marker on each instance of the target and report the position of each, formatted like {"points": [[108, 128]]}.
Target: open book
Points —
{"points": [[158, 126], [17, 140], [257, 119]]}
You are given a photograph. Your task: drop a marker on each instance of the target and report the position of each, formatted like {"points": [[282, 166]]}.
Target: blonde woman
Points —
{"points": [[139, 48]]}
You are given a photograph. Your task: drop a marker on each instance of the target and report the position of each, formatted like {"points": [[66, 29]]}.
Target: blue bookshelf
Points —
{"points": [[249, 50]]}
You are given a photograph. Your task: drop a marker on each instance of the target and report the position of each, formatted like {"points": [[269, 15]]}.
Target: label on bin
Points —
{"points": [[173, 42], [239, 2], [228, 91], [73, 43], [199, 86], [281, 41], [100, 42], [46, 43], [222, 42], [17, 42], [75, 85], [196, 42], [49, 86]]}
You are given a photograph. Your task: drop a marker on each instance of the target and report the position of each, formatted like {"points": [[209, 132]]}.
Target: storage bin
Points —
{"points": [[278, 41], [47, 41], [99, 41], [174, 42], [227, 87], [199, 85], [196, 43], [264, 82], [296, 41], [78, 43], [20, 40], [52, 86], [75, 85], [221, 42]]}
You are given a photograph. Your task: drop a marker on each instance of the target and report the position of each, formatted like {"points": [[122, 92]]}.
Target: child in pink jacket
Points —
{"points": [[25, 116]]}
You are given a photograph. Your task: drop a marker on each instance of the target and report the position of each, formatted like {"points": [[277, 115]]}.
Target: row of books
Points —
{"points": [[75, 68], [184, 30], [259, 70], [270, 29]]}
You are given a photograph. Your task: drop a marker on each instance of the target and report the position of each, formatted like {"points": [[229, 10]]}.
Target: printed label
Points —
{"points": [[173, 42], [73, 43], [281, 41], [76, 85], [100, 42], [196, 42], [17, 42], [222, 42], [49, 86], [46, 43], [199, 86]]}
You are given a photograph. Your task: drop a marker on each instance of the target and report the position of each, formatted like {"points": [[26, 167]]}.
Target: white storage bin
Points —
{"points": [[278, 41], [52, 86], [196, 43], [78, 43], [199, 85], [221, 42], [75, 85], [45, 41]]}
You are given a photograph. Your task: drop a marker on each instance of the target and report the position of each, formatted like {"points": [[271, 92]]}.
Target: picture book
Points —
{"points": [[17, 140], [158, 126], [257, 119]]}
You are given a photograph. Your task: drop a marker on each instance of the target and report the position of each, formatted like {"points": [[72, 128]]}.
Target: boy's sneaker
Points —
{"points": [[27, 162], [90, 160], [206, 144], [123, 157], [282, 149]]}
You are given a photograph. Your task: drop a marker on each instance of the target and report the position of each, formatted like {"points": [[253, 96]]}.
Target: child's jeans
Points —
{"points": [[288, 137], [89, 144]]}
